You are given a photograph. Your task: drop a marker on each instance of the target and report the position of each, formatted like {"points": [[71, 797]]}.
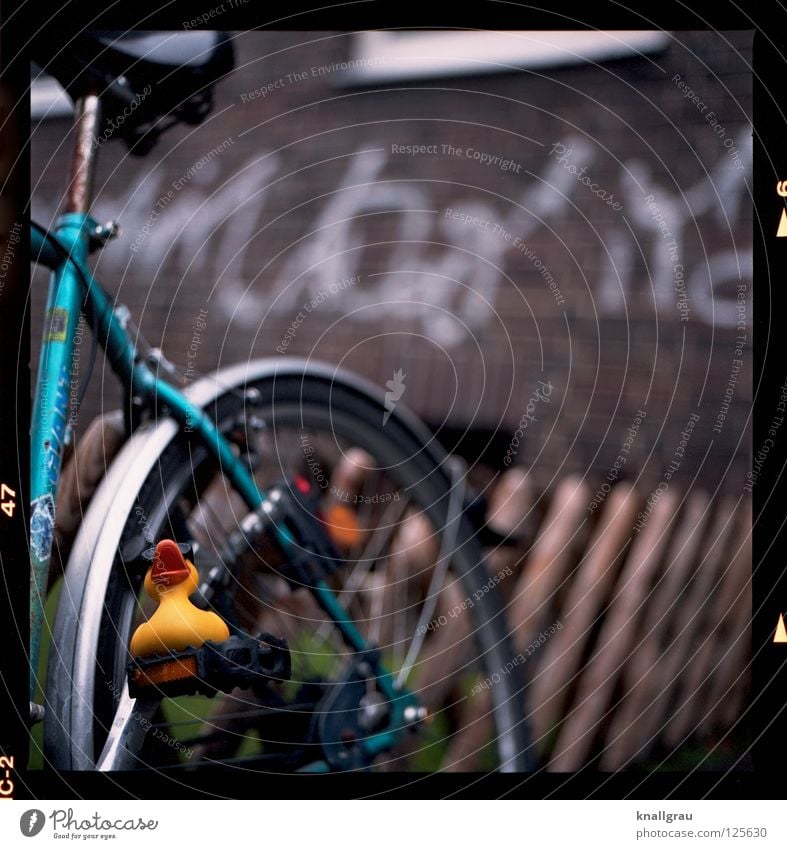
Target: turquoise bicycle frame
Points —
{"points": [[73, 290], [71, 286]]}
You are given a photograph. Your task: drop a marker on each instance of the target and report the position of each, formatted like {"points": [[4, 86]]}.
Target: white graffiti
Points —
{"points": [[436, 270], [440, 271]]}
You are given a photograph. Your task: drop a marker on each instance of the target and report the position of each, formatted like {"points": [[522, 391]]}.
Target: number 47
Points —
{"points": [[7, 503]]}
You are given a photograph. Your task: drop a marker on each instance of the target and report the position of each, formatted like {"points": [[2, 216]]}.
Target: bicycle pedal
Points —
{"points": [[212, 667]]}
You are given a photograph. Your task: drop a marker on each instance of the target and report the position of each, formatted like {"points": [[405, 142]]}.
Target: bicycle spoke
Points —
{"points": [[447, 549], [448, 650]]}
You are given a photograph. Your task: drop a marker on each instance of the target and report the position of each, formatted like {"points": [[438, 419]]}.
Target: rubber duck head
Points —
{"points": [[170, 569]]}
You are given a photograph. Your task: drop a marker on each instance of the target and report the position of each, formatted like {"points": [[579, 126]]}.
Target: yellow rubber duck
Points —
{"points": [[177, 623]]}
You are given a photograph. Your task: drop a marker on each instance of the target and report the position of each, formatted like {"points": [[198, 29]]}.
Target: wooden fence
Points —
{"points": [[632, 620]]}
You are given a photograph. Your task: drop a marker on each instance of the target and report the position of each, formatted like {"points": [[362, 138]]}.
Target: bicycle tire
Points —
{"points": [[288, 392]]}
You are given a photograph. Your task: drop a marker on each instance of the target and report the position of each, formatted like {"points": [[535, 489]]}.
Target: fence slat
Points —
{"points": [[587, 595], [732, 651], [549, 561], [634, 724], [720, 645], [466, 749], [696, 610], [741, 660], [618, 635]]}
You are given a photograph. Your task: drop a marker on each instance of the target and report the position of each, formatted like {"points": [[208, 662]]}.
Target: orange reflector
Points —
{"points": [[167, 670], [342, 526]]}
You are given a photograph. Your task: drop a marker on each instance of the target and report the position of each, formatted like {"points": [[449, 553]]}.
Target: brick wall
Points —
{"points": [[476, 278]]}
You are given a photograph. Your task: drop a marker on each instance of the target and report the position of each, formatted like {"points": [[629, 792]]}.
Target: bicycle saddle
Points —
{"points": [[141, 77]]}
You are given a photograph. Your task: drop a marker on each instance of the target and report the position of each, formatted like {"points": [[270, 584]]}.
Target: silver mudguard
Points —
{"points": [[71, 676]]}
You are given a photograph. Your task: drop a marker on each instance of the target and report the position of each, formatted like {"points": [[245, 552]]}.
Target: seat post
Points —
{"points": [[87, 122]]}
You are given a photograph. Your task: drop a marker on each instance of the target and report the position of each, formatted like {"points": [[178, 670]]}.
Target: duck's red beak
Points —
{"points": [[169, 565]]}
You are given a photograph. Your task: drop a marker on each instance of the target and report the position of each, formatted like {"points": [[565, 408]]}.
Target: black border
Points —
{"points": [[770, 370], [15, 404]]}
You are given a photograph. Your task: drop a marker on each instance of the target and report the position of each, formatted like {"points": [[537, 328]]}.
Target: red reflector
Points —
{"points": [[301, 484]]}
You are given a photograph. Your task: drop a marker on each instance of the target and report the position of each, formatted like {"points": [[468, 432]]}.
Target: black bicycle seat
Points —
{"points": [[141, 77], [173, 50]]}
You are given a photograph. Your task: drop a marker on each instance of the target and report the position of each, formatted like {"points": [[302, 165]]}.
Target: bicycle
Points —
{"points": [[313, 514]]}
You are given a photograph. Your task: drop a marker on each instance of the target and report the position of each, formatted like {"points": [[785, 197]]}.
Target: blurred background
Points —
{"points": [[546, 236], [286, 190]]}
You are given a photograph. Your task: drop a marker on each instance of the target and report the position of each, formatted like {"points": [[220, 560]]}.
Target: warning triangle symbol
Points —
{"points": [[781, 631], [782, 231]]}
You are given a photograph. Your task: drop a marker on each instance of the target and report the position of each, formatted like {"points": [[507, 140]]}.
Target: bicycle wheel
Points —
{"points": [[388, 482]]}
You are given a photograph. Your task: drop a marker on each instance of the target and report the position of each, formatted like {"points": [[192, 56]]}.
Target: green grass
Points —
{"points": [[692, 756], [192, 711], [431, 744]]}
